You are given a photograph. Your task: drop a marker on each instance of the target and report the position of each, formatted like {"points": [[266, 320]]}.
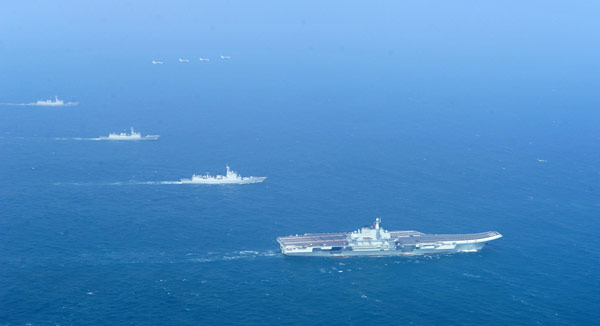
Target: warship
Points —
{"points": [[230, 178], [132, 136], [373, 240], [56, 102]]}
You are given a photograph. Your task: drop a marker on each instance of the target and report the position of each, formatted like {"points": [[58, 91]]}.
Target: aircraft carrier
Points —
{"points": [[375, 241]]}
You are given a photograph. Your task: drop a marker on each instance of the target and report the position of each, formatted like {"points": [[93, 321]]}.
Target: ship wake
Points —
{"points": [[118, 183], [41, 105], [100, 138], [236, 255]]}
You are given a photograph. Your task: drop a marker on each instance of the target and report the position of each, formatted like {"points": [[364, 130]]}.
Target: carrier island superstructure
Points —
{"points": [[375, 241]]}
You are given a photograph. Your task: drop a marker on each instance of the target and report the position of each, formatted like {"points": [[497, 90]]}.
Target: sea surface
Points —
{"points": [[93, 233]]}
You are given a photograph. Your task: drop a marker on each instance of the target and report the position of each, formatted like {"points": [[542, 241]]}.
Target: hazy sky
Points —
{"points": [[534, 29], [515, 46]]}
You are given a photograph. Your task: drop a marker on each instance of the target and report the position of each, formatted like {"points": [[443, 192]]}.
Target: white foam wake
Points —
{"points": [[100, 138], [236, 255], [127, 183], [157, 183], [75, 138], [42, 105]]}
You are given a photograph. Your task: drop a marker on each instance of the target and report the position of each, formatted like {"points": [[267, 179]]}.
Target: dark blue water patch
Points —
{"points": [[84, 242]]}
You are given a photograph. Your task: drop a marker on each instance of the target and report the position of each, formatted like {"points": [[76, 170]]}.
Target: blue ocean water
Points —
{"points": [[446, 138]]}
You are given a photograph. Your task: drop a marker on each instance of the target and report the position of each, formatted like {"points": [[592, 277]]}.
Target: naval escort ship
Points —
{"points": [[373, 240], [230, 178], [56, 102], [132, 136]]}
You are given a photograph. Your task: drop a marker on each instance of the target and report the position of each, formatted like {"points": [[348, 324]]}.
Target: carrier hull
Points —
{"points": [[382, 253]]}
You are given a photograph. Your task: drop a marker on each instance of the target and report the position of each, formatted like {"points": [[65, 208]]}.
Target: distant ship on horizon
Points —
{"points": [[55, 102], [131, 136], [231, 177]]}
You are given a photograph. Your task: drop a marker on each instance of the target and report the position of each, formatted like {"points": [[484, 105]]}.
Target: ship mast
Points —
{"points": [[377, 231]]}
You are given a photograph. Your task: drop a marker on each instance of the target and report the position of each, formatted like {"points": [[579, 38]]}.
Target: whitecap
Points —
{"points": [[471, 275], [248, 252]]}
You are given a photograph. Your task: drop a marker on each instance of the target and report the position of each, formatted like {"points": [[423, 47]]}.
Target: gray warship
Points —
{"points": [[373, 240], [231, 177]]}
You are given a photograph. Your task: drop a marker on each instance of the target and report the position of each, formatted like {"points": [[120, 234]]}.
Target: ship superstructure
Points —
{"points": [[375, 241], [231, 177], [131, 136]]}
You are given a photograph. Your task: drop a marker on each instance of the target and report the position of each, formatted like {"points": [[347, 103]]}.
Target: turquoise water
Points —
{"points": [[437, 131]]}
